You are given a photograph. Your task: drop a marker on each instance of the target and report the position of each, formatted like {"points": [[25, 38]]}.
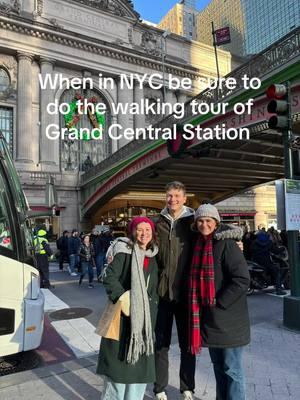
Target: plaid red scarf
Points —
{"points": [[201, 288]]}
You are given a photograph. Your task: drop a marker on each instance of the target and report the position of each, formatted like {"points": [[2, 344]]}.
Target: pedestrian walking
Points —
{"points": [[74, 244], [62, 246], [175, 249], [274, 236], [218, 312], [86, 254], [101, 244], [128, 364], [42, 252]]}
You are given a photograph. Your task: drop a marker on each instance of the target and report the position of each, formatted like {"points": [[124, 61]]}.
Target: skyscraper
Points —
{"points": [[254, 24], [181, 19], [267, 21], [223, 13]]}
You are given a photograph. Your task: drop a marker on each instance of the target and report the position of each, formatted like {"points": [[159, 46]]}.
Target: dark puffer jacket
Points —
{"points": [[227, 324], [175, 250], [261, 251]]}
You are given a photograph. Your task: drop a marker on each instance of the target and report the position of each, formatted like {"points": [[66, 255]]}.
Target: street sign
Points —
{"points": [[288, 204], [292, 204], [222, 36], [280, 204]]}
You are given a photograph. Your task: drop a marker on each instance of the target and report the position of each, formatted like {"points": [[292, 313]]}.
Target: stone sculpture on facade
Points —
{"points": [[150, 43], [14, 6], [121, 8]]}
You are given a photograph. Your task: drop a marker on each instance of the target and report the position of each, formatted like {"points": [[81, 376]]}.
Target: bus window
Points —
{"points": [[28, 235], [20, 199], [5, 231]]}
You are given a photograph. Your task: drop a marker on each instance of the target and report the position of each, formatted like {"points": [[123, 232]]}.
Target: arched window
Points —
{"points": [[84, 154], [4, 79], [6, 113]]}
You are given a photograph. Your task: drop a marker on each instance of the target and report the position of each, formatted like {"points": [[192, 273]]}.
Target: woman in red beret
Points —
{"points": [[127, 364]]}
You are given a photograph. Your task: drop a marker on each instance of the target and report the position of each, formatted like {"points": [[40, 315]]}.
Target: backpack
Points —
{"points": [[111, 252]]}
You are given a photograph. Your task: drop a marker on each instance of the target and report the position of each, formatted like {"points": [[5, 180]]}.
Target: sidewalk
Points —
{"points": [[272, 366], [271, 361]]}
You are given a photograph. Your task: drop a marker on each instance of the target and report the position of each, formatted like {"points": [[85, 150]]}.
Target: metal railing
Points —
{"points": [[268, 61]]}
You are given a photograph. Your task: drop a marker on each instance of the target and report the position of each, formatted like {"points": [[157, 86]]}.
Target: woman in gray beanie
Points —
{"points": [[218, 312]]}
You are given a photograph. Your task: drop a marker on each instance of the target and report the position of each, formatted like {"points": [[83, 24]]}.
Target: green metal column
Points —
{"points": [[291, 304]]}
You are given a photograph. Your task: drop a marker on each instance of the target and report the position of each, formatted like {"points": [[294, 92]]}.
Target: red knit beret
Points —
{"points": [[138, 220]]}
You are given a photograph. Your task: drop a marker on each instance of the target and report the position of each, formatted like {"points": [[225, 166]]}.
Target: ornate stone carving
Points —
{"points": [[130, 35], [98, 47], [153, 96], [151, 44], [39, 7], [122, 8], [9, 93], [10, 64], [14, 6]]}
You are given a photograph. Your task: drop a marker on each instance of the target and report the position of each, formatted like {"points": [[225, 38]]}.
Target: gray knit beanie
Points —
{"points": [[207, 210]]}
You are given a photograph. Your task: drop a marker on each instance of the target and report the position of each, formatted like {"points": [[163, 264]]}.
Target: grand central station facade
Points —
{"points": [[88, 39]]}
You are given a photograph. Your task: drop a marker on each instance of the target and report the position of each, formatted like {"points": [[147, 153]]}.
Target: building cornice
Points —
{"points": [[95, 46], [121, 8]]}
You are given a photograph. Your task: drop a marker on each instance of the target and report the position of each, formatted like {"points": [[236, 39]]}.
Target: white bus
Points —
{"points": [[21, 300]]}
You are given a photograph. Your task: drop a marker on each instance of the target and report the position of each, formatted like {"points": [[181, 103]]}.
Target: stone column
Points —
{"points": [[261, 219], [24, 109], [181, 97], [47, 146], [169, 96], [139, 119], [125, 95], [28, 6], [114, 143], [114, 118]]}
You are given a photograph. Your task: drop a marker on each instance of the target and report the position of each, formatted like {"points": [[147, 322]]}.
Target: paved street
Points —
{"points": [[68, 352]]}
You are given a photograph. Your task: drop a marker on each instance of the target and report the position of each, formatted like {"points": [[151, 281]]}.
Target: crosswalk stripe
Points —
{"points": [[52, 302], [78, 333]]}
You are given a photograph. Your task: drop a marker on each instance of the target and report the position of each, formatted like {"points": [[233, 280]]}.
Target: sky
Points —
{"points": [[154, 10]]}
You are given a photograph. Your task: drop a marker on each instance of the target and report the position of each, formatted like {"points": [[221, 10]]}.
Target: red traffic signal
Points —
{"points": [[279, 105], [277, 91]]}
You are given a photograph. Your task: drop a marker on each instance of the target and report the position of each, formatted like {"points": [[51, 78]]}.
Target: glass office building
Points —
{"points": [[267, 21], [254, 24]]}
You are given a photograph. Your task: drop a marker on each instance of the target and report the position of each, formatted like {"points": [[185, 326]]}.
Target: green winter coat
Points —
{"points": [[112, 356]]}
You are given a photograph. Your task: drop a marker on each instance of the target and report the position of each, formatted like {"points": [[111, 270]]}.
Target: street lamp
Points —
{"points": [[163, 55]]}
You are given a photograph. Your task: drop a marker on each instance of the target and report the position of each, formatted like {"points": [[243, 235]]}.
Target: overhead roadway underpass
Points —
{"points": [[211, 169]]}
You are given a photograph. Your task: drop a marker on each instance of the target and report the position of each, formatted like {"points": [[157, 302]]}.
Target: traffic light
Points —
{"points": [[280, 106], [176, 147]]}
